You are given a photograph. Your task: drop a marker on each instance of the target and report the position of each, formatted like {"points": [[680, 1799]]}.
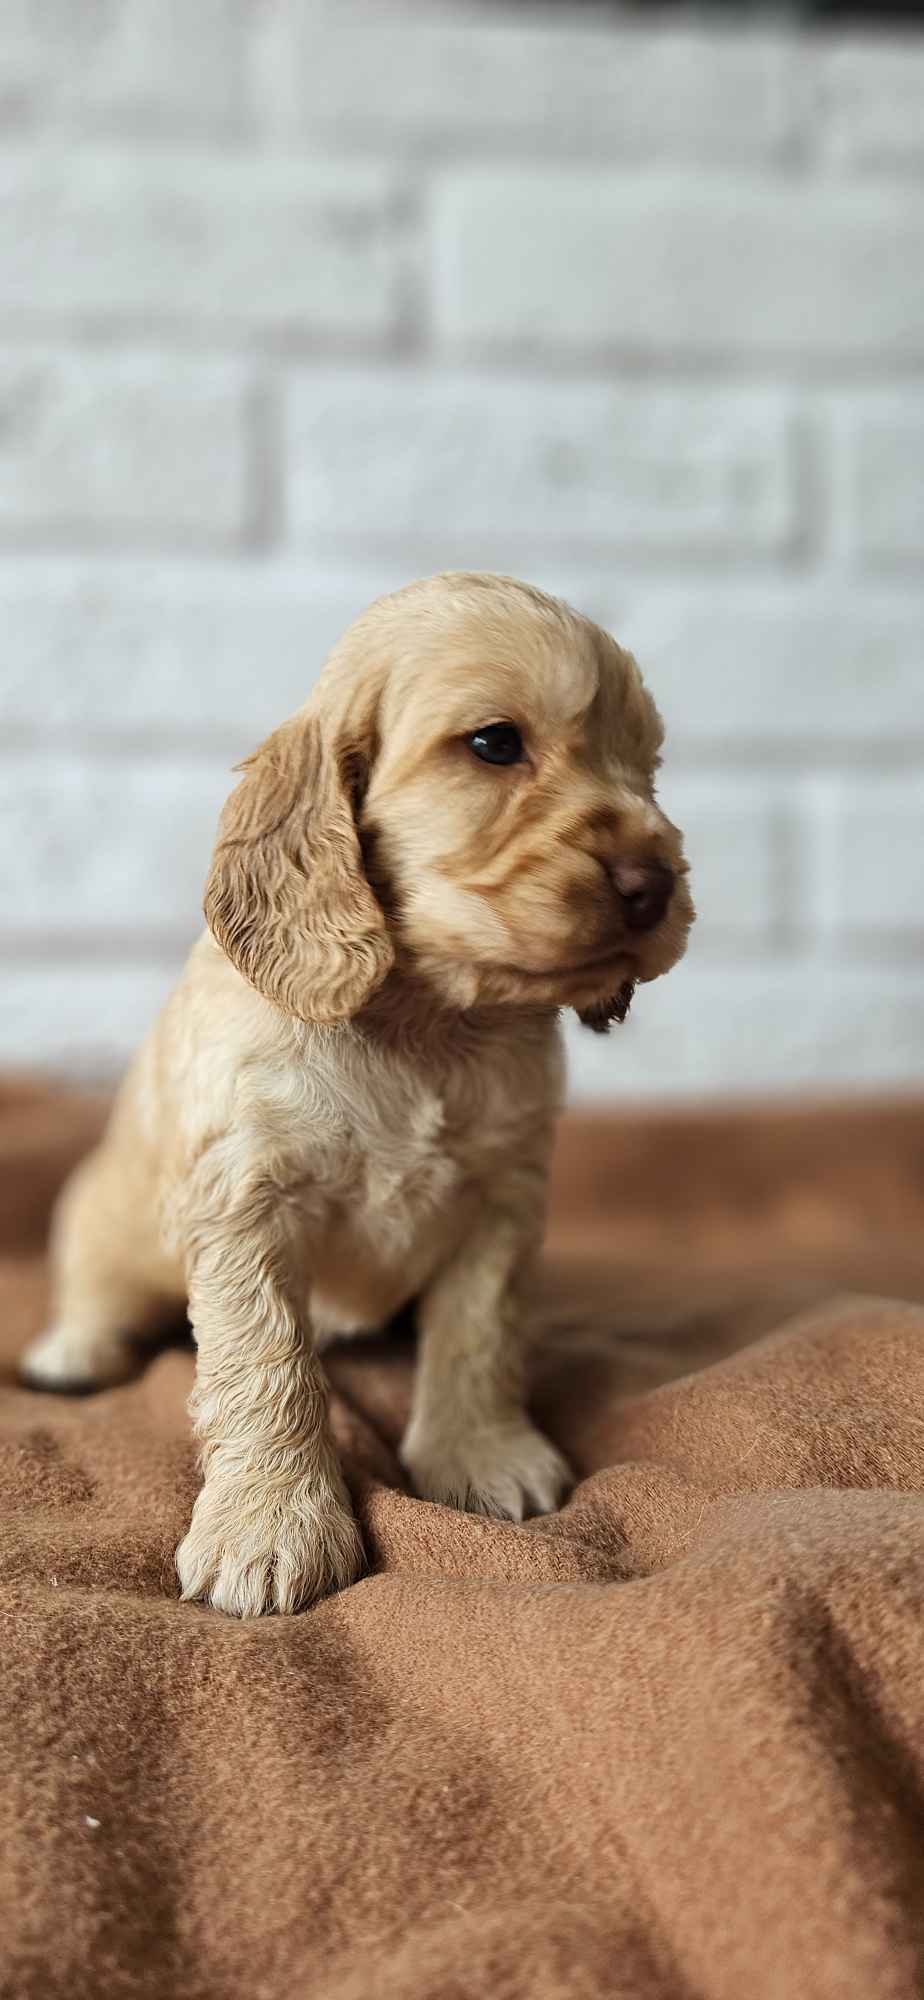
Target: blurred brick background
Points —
{"points": [[301, 300]]}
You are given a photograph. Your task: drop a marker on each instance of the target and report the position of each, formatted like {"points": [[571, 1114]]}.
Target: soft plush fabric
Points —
{"points": [[669, 1742]]}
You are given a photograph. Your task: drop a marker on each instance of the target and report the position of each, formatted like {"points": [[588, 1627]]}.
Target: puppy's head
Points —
{"points": [[470, 791]]}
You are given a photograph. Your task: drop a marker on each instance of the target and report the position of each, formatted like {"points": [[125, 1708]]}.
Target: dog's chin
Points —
{"points": [[467, 983], [611, 1001], [598, 993], [599, 988], [601, 1014]]}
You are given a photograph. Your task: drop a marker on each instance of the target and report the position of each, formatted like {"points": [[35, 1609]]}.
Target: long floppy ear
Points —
{"points": [[287, 896]]}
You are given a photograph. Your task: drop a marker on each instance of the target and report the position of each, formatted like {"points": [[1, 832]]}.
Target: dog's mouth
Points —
{"points": [[603, 1013]]}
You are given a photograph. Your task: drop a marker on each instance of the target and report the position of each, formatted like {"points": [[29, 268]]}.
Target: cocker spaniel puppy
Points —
{"points": [[348, 1100]]}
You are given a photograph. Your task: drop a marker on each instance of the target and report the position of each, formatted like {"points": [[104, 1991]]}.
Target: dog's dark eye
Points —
{"points": [[497, 743]]}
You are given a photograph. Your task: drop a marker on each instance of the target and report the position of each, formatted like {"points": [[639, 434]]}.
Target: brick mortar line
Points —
{"points": [[683, 561], [282, 579], [286, 355], [157, 948], [793, 161]]}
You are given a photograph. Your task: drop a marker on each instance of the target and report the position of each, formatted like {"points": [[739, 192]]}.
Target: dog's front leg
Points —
{"points": [[470, 1442], [272, 1528]]}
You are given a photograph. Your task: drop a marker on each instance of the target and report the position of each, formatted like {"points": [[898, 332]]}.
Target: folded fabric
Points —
{"points": [[668, 1742]]}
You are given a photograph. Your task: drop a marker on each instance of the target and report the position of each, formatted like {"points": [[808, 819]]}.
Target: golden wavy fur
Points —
{"points": [[348, 1100]]}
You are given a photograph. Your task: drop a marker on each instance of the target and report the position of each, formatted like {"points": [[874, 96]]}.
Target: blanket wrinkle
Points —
{"points": [[667, 1744]]}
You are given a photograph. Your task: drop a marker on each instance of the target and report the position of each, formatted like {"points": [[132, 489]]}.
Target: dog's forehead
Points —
{"points": [[479, 670]]}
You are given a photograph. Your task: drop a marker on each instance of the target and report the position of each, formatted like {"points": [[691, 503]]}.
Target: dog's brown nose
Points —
{"points": [[644, 889]]}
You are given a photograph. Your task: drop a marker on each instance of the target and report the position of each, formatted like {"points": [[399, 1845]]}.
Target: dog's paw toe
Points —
{"points": [[510, 1471], [280, 1558]]}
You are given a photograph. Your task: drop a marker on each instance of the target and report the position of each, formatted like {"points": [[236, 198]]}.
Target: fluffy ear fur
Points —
{"points": [[287, 896]]}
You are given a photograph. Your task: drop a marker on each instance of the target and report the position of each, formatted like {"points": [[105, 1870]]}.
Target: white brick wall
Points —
{"points": [[302, 298], [220, 245], [158, 66], [150, 448], [882, 445], [869, 96], [115, 848], [867, 888], [467, 468], [105, 653], [801, 670], [591, 262], [518, 83]]}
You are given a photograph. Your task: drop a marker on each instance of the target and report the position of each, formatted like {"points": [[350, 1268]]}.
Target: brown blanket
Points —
{"points": [[669, 1742]]}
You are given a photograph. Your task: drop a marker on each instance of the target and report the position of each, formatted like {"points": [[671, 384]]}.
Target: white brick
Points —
{"points": [[126, 65], [671, 267], [793, 1026], [870, 103], [89, 845], [475, 469], [732, 834], [882, 447], [868, 862], [515, 81], [199, 239], [80, 1018], [801, 667], [139, 448], [181, 650]]}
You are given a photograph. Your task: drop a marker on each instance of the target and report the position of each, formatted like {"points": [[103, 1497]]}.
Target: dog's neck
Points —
{"points": [[409, 1012]]}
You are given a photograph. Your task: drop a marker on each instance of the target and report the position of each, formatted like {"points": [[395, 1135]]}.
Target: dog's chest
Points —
{"points": [[409, 1134], [425, 1142], [416, 1157], [397, 1212], [407, 1164]]}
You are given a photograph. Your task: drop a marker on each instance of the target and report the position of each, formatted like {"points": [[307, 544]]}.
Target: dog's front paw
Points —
{"points": [[249, 1553], [76, 1359], [510, 1470]]}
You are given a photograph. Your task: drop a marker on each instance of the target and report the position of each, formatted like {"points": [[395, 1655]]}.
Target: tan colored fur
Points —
{"points": [[348, 1100]]}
